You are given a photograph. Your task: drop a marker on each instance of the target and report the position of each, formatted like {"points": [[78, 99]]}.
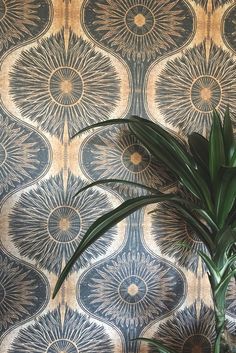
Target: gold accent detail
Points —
{"points": [[133, 289], [136, 158], [206, 94], [64, 224], [66, 86], [139, 20]]}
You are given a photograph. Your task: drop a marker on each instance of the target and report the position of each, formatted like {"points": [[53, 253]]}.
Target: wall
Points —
{"points": [[67, 64]]}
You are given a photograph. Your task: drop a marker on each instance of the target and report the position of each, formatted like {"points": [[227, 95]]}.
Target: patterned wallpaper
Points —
{"points": [[64, 65]]}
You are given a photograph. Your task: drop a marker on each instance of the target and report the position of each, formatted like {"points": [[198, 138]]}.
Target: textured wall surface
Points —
{"points": [[67, 64]]}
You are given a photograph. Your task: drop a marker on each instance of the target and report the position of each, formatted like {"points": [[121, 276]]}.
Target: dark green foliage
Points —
{"points": [[207, 169]]}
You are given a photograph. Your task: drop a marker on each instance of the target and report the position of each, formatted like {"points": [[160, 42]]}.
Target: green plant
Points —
{"points": [[207, 169]]}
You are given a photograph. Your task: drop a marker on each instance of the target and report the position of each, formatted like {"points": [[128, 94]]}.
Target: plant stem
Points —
{"points": [[220, 325]]}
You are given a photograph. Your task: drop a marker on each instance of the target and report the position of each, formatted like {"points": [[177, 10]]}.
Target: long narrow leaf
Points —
{"points": [[229, 263], [173, 143], [107, 221], [228, 135], [201, 230], [176, 159], [216, 147], [212, 268], [233, 159], [199, 148], [225, 193], [106, 181], [224, 241], [208, 218], [159, 147], [101, 124], [220, 292]]}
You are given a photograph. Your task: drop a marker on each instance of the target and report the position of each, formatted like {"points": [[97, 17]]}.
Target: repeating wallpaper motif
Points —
{"points": [[64, 65]]}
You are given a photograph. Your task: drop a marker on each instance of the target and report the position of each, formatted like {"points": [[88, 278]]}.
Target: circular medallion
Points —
{"points": [[64, 224], [139, 20], [139, 30], [66, 86], [62, 346], [136, 158], [132, 289], [205, 93]]}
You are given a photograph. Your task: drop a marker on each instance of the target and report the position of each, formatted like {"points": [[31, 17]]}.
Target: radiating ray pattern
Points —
{"points": [[23, 292], [48, 223], [53, 333], [171, 233], [189, 330], [139, 30], [24, 155], [131, 289], [21, 22], [76, 85], [117, 154], [192, 85]]}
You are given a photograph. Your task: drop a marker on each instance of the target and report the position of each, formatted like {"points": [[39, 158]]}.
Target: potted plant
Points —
{"points": [[206, 168]]}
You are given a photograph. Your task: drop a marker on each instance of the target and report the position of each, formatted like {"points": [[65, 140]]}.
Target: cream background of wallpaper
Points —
{"points": [[66, 155]]}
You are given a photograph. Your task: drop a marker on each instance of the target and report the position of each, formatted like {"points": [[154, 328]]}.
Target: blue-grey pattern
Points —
{"points": [[192, 85], [131, 289], [139, 30], [50, 217], [68, 333], [24, 154], [22, 23], [196, 333], [117, 154], [63, 95], [23, 292]]}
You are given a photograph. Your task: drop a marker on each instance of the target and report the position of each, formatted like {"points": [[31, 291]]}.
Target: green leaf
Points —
{"points": [[158, 344], [161, 147], [228, 134], [165, 147], [225, 194], [106, 181], [233, 159], [107, 221], [212, 268], [216, 147], [228, 263], [200, 229], [169, 140], [224, 241], [220, 291], [208, 218], [101, 124], [199, 149]]}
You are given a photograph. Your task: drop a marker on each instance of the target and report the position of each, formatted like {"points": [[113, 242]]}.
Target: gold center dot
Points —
{"points": [[133, 289], [66, 86], [206, 94], [139, 20], [136, 158], [64, 224]]}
